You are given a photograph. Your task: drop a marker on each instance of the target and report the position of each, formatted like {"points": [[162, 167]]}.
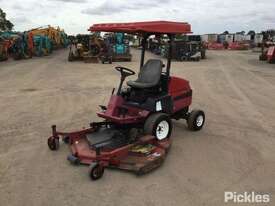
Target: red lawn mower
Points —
{"points": [[135, 133]]}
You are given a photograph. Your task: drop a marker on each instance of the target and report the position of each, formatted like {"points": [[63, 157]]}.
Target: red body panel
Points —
{"points": [[180, 91], [112, 157], [133, 115], [271, 53]]}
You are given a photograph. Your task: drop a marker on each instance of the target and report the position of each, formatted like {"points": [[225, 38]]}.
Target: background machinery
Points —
{"points": [[57, 37], [268, 46], [3, 49], [18, 45], [78, 45], [91, 48], [118, 46], [185, 48], [35, 42]]}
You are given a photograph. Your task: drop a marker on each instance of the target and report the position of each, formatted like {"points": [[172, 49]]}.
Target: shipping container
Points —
{"points": [[210, 37], [229, 38], [204, 38], [239, 37], [247, 37], [221, 38]]}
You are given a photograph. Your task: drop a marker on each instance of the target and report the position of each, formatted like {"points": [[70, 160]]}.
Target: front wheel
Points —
{"points": [[195, 120], [53, 143], [96, 171], [158, 125]]}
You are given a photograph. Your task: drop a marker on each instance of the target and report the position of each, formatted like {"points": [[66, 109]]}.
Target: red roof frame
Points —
{"points": [[152, 27]]}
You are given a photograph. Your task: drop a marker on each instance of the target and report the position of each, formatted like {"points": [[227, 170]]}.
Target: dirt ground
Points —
{"points": [[235, 151]]}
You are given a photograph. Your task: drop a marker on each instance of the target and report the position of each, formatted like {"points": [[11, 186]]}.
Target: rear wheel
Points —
{"points": [[158, 125], [195, 120]]}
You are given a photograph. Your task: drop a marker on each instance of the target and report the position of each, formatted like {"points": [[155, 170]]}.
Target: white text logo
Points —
{"points": [[246, 197]]}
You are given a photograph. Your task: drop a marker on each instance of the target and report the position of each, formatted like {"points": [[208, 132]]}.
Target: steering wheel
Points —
{"points": [[125, 72]]}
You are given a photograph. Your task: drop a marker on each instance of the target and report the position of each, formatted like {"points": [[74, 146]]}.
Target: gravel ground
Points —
{"points": [[234, 152]]}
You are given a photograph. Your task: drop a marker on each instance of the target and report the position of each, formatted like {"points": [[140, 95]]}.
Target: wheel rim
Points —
{"points": [[162, 130], [97, 172], [199, 121]]}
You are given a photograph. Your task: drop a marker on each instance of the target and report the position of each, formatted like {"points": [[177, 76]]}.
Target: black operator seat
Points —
{"points": [[149, 75]]}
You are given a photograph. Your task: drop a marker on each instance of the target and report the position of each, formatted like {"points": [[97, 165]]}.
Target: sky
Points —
{"points": [[205, 16]]}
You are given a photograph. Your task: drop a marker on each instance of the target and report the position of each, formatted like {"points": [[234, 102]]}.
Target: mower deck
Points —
{"points": [[99, 145], [142, 163]]}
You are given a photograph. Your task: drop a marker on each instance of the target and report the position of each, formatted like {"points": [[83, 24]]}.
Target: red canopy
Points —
{"points": [[154, 27]]}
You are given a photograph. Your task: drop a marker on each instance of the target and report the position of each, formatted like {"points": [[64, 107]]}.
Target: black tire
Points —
{"points": [[73, 159], [53, 143], [193, 121], [151, 125], [96, 171]]}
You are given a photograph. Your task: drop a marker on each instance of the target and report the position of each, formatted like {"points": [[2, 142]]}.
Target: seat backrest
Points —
{"points": [[150, 72]]}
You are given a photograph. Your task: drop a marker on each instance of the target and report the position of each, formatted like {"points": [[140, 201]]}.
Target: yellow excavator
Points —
{"points": [[56, 35]]}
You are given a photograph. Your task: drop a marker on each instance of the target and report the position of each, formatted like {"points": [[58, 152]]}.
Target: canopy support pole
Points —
{"points": [[169, 56], [143, 44]]}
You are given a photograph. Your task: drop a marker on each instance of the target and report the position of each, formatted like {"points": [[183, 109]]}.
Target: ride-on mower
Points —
{"points": [[135, 133]]}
